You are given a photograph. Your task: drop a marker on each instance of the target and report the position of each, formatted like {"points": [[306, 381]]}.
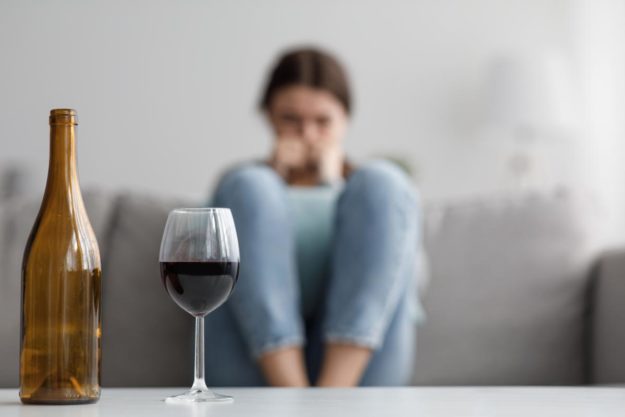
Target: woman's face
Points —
{"points": [[311, 115]]}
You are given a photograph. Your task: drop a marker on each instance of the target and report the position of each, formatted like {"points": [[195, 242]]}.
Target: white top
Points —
{"points": [[361, 402]]}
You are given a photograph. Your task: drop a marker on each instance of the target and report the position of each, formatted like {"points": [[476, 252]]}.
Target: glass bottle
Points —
{"points": [[61, 325]]}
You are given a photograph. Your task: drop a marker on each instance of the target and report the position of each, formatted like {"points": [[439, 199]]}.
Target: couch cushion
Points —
{"points": [[17, 217], [147, 339], [14, 180], [507, 296], [9, 325]]}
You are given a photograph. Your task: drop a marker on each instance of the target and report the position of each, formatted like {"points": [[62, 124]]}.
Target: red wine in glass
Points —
{"points": [[199, 287], [199, 262]]}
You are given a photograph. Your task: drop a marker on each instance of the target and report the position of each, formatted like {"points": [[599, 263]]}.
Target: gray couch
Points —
{"points": [[517, 293]]}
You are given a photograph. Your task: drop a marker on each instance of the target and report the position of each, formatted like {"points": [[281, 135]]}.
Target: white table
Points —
{"points": [[363, 402]]}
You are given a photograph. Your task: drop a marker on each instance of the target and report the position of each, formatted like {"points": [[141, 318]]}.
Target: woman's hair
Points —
{"points": [[309, 67]]}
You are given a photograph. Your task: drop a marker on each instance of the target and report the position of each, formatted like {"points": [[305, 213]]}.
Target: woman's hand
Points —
{"points": [[304, 163], [328, 160], [289, 157]]}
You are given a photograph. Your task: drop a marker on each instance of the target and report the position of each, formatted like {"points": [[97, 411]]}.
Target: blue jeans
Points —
{"points": [[371, 288]]}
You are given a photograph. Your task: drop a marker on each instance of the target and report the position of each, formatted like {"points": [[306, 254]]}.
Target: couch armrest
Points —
{"points": [[607, 323]]}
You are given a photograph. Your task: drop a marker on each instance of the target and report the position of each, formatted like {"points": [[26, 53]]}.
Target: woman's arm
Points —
{"points": [[302, 164]]}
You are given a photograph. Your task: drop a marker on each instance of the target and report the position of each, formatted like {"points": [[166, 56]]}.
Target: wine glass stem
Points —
{"points": [[198, 380]]}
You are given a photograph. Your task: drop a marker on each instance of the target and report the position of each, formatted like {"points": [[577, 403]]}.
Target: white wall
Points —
{"points": [[166, 90], [598, 28]]}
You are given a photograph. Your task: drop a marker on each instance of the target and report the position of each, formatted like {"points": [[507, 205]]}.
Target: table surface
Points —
{"points": [[362, 402]]}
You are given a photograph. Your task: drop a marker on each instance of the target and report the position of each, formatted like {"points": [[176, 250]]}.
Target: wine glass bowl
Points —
{"points": [[199, 262]]}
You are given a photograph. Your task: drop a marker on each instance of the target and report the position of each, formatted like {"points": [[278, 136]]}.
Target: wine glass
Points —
{"points": [[199, 261]]}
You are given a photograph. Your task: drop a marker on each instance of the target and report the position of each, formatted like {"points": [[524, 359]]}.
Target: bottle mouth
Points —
{"points": [[63, 117]]}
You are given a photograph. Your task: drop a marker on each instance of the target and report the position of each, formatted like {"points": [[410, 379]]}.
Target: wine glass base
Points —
{"points": [[199, 396]]}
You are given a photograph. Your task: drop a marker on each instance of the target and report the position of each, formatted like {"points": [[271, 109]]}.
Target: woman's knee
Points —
{"points": [[250, 184], [381, 183]]}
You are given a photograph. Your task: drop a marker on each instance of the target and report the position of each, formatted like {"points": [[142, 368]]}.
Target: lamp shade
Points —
{"points": [[533, 92]]}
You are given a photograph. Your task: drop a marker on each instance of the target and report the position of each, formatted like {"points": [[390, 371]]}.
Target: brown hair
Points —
{"points": [[310, 67]]}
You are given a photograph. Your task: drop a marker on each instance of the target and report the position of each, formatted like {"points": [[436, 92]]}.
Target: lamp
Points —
{"points": [[530, 96]]}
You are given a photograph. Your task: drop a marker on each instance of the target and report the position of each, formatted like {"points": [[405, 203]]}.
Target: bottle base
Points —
{"points": [[30, 401], [59, 396]]}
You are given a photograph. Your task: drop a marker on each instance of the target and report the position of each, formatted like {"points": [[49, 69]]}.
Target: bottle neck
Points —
{"points": [[62, 173]]}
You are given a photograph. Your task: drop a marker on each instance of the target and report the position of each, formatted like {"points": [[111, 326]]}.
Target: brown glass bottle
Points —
{"points": [[60, 341]]}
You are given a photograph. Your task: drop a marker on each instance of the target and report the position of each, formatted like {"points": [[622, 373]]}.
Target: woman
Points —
{"points": [[328, 251]]}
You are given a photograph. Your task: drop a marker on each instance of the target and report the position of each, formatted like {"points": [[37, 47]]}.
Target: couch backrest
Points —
{"points": [[147, 339], [507, 298], [506, 301]]}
